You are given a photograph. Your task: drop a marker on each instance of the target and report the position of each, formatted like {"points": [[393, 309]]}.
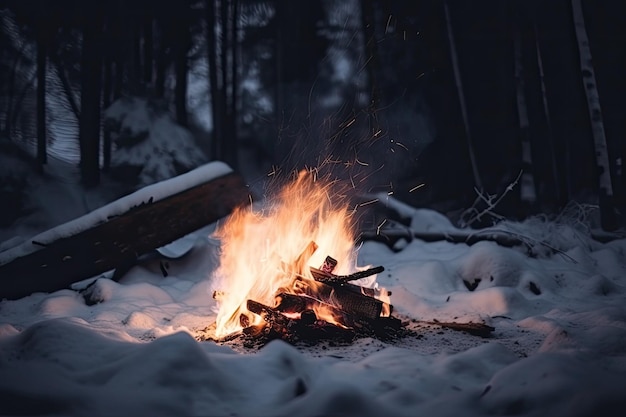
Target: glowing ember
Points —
{"points": [[265, 253]]}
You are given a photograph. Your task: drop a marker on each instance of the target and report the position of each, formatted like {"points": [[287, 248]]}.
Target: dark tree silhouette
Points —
{"points": [[91, 73]]}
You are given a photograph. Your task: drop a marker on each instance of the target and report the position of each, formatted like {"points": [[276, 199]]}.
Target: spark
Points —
{"points": [[390, 193], [352, 182], [369, 202], [401, 145], [420, 76], [379, 226], [365, 164], [417, 187], [388, 23]]}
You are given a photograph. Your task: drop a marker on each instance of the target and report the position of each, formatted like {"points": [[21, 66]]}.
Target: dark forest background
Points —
{"points": [[437, 101]]}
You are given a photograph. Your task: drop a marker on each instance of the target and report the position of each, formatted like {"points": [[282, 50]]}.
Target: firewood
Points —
{"points": [[270, 315], [329, 278], [344, 299], [329, 265], [308, 330], [381, 327]]}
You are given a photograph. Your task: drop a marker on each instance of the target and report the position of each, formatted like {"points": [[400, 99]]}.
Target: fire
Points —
{"points": [[265, 252]]}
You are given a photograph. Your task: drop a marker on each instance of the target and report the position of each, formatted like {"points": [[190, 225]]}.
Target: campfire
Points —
{"points": [[289, 270]]}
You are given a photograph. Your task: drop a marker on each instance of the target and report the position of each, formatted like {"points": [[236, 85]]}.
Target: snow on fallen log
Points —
{"points": [[118, 233]]}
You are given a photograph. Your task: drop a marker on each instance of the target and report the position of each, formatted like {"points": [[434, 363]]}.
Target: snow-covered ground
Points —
{"points": [[131, 347]]}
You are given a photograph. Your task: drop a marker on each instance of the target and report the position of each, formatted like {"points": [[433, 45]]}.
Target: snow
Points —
{"points": [[147, 138], [130, 347]]}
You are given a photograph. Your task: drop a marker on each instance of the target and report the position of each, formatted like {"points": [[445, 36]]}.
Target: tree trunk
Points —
{"points": [[607, 211], [528, 193], [42, 57], [371, 64], [559, 191], [148, 48], [232, 46], [216, 109], [161, 67], [89, 129], [181, 43], [106, 102], [69, 91], [457, 77], [223, 66]]}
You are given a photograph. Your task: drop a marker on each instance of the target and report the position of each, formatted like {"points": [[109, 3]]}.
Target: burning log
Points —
{"points": [[380, 326], [342, 298], [306, 329], [327, 277]]}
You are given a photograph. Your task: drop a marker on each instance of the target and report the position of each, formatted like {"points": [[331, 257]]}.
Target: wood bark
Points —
{"points": [[343, 297], [216, 105], [476, 329], [556, 177], [528, 193], [121, 240], [595, 113], [371, 65], [328, 278], [148, 48], [106, 102], [89, 126], [231, 142], [459, 84], [181, 48]]}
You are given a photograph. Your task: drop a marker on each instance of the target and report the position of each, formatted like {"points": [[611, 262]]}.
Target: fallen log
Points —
{"points": [[122, 239], [476, 329]]}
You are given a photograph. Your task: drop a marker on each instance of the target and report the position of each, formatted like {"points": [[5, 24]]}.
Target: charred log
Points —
{"points": [[382, 327], [341, 297], [308, 330], [329, 278]]}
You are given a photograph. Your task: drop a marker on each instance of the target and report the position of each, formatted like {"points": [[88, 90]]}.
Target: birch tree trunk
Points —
{"points": [[457, 77], [595, 113], [528, 193]]}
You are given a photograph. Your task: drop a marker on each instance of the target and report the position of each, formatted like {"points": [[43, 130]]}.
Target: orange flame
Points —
{"points": [[261, 250]]}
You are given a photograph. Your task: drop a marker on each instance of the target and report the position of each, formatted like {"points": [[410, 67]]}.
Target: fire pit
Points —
{"points": [[289, 271]]}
